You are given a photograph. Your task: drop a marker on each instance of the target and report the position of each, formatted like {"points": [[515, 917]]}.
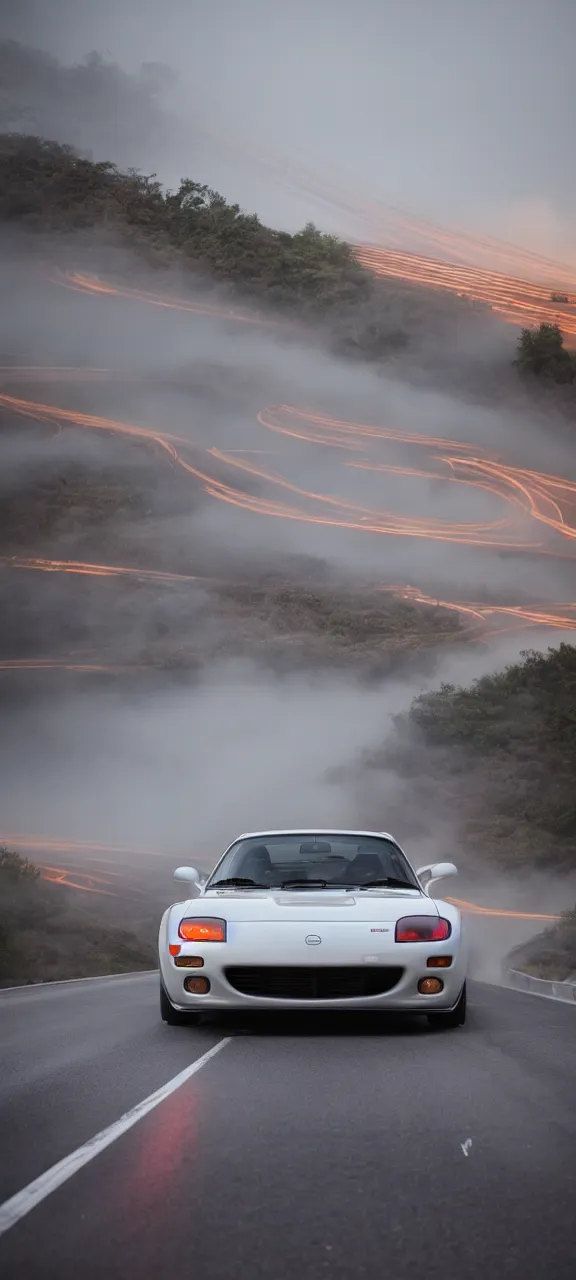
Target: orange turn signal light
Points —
{"points": [[430, 986], [189, 962], [439, 962], [202, 930]]}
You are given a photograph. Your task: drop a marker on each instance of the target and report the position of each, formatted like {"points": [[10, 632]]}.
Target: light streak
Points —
{"points": [[517, 301], [515, 282], [82, 283], [530, 498], [83, 569], [471, 908]]}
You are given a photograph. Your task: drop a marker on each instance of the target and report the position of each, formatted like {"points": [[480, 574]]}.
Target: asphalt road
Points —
{"points": [[304, 1148]]}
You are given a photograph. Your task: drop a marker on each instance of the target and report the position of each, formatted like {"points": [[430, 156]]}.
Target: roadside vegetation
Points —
{"points": [[495, 763], [46, 186], [95, 109], [541, 353], [48, 932], [552, 954], [49, 189]]}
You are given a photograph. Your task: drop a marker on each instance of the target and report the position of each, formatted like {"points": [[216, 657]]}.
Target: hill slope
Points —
{"points": [[46, 933], [496, 762]]}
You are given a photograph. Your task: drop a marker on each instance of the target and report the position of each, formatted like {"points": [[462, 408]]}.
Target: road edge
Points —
{"points": [[527, 983], [66, 982]]}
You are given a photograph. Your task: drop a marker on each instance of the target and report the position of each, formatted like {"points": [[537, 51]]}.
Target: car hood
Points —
{"points": [[309, 905]]}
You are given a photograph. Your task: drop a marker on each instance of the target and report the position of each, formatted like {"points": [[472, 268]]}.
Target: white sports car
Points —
{"points": [[313, 919]]}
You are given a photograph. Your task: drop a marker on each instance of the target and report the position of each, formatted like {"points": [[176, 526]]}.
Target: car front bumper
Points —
{"points": [[403, 996]]}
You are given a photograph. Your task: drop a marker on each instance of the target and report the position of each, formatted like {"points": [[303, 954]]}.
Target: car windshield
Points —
{"points": [[320, 861]]}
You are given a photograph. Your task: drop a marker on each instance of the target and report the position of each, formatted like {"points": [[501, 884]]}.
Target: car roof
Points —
{"points": [[314, 831]]}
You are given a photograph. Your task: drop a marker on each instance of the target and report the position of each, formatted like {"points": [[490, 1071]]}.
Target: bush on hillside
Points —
{"points": [[552, 954], [497, 761], [44, 185], [542, 352], [46, 933]]}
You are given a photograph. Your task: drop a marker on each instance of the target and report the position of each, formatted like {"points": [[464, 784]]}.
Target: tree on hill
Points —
{"points": [[47, 186], [93, 105], [542, 352]]}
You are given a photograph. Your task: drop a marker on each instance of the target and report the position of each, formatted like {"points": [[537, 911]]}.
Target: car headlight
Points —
{"points": [[423, 929], [202, 929]]}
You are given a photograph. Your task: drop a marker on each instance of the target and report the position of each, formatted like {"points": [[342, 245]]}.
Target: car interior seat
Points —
{"points": [[256, 864], [365, 866]]}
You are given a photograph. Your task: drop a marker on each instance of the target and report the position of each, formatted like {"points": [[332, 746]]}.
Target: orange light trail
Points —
{"points": [[92, 570], [388, 225], [481, 616], [530, 497], [470, 908], [71, 873], [76, 880], [535, 495], [71, 876], [53, 844], [92, 285], [414, 249], [517, 301], [60, 373]]}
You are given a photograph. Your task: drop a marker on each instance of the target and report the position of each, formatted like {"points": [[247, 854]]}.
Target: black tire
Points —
{"points": [[456, 1017], [173, 1016]]}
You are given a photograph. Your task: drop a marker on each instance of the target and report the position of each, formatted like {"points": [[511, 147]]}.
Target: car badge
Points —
{"points": [[312, 939]]}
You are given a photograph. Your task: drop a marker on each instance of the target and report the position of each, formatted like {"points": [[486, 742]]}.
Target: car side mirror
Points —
{"points": [[436, 871], [188, 874]]}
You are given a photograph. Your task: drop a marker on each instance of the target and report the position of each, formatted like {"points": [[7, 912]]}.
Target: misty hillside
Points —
{"points": [[47, 187], [47, 932], [93, 105], [120, 505], [494, 764], [275, 619], [106, 122], [177, 662]]}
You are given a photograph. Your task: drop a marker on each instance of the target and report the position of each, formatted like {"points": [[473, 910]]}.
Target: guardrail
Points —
{"points": [[541, 986]]}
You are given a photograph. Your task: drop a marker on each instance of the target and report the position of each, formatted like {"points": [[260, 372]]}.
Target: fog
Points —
{"points": [[461, 114], [239, 741], [457, 116]]}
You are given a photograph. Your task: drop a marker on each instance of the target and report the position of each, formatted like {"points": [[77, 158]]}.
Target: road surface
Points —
{"points": [[301, 1148]]}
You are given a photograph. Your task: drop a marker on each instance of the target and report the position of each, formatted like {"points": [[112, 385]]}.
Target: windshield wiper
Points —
{"points": [[237, 882], [388, 881], [302, 884]]}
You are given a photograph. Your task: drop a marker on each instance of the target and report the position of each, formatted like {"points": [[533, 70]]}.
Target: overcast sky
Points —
{"points": [[460, 111]]}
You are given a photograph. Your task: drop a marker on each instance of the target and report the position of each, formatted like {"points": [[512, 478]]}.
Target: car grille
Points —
{"points": [[298, 982]]}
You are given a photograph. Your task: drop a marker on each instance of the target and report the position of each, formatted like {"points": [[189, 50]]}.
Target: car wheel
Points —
{"points": [[455, 1018], [174, 1017]]}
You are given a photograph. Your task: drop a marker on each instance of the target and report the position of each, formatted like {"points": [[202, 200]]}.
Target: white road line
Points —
{"points": [[21, 1204]]}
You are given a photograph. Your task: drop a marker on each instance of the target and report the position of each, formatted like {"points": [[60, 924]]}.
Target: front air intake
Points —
{"points": [[299, 982]]}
